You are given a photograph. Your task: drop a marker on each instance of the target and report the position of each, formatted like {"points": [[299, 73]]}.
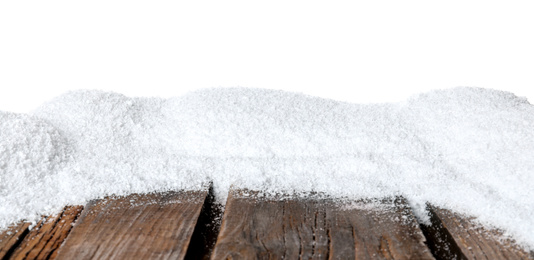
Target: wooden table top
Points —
{"points": [[189, 225]]}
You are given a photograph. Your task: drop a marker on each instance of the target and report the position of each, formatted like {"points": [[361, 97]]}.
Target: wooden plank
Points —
{"points": [[138, 226], [11, 237], [47, 236], [472, 240], [384, 229], [259, 228]]}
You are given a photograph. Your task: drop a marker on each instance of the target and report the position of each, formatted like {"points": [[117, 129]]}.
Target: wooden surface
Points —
{"points": [[473, 241], [149, 226], [175, 225], [255, 228], [11, 238], [45, 238]]}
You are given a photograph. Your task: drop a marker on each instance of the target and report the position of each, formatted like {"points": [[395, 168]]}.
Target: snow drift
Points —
{"points": [[465, 149]]}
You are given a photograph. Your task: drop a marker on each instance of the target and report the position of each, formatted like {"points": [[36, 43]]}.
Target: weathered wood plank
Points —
{"points": [[11, 237], [47, 236], [257, 228], [473, 241], [380, 230], [138, 226]]}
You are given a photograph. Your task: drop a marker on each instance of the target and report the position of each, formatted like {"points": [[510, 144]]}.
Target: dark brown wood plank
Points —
{"points": [[12, 236], [47, 236], [259, 228], [474, 241], [138, 226], [385, 229]]}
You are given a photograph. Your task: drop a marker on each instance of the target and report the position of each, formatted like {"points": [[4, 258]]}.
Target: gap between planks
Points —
{"points": [[453, 236], [11, 238]]}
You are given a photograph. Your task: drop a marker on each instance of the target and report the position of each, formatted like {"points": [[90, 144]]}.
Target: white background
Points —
{"points": [[358, 51]]}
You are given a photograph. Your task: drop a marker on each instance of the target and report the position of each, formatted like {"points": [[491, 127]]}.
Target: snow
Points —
{"points": [[465, 149]]}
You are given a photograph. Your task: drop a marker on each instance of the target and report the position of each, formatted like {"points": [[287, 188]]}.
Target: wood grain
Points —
{"points": [[47, 236], [11, 237], [259, 228], [474, 241], [146, 226]]}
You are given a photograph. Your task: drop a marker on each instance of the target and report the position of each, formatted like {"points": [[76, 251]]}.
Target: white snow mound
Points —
{"points": [[465, 149]]}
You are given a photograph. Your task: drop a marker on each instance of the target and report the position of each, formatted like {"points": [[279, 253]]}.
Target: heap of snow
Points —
{"points": [[465, 149]]}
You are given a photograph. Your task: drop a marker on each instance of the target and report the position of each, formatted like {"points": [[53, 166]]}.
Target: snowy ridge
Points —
{"points": [[465, 149]]}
